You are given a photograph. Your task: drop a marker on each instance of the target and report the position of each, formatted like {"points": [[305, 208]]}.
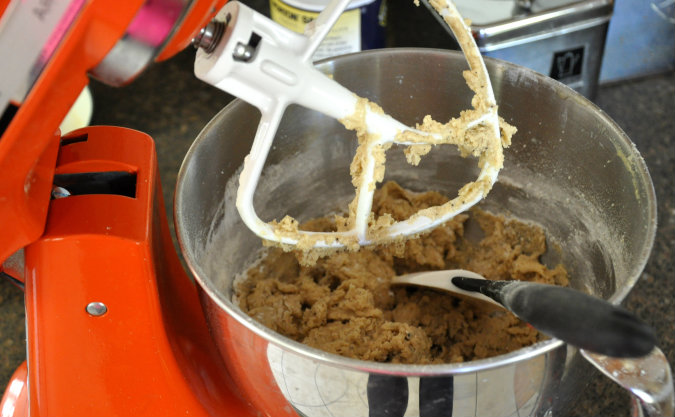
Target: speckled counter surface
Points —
{"points": [[168, 103]]}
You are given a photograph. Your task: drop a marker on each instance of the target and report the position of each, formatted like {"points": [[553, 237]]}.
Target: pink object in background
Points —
{"points": [[154, 21]]}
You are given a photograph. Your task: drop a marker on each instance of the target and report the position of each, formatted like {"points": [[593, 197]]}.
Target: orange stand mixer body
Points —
{"points": [[114, 325]]}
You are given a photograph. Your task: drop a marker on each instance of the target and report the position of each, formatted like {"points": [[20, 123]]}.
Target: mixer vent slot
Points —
{"points": [[109, 182], [7, 116], [74, 139]]}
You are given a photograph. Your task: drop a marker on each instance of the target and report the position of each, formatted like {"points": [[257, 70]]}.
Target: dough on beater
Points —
{"points": [[344, 303], [477, 132]]}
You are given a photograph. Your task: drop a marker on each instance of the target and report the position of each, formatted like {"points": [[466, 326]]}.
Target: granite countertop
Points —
{"points": [[168, 103]]}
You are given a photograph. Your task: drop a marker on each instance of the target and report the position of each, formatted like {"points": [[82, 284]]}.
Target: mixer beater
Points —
{"points": [[270, 67]]}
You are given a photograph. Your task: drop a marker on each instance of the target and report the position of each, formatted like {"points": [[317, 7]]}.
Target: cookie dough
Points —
{"points": [[344, 304]]}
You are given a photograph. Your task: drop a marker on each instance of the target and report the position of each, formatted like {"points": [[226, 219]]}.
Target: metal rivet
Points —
{"points": [[60, 192], [96, 308]]}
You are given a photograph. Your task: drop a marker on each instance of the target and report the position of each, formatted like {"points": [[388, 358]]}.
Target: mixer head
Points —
{"points": [[48, 50], [255, 59]]}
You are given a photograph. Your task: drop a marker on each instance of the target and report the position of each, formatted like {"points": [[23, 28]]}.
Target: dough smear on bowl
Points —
{"points": [[344, 304]]}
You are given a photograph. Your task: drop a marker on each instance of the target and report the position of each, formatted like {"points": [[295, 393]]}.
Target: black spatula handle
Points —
{"points": [[576, 318]]}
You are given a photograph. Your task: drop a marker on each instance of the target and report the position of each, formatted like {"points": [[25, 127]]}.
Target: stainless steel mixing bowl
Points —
{"points": [[570, 169]]}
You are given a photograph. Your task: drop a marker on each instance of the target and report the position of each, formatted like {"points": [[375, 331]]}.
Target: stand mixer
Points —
{"points": [[145, 349]]}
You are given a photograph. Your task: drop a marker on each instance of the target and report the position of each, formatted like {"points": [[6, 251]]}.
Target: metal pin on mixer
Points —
{"points": [[270, 67]]}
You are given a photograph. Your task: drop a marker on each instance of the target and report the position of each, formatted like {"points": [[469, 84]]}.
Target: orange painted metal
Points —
{"points": [[3, 6], [28, 147], [15, 400], [150, 354]]}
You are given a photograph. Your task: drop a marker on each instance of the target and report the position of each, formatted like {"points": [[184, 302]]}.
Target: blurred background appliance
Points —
{"points": [[564, 39], [579, 43]]}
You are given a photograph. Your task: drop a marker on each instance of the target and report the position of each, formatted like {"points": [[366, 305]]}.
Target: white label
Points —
{"points": [[343, 38]]}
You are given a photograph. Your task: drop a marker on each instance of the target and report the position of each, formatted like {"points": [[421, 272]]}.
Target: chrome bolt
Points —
{"points": [[243, 52], [210, 36], [96, 308]]}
